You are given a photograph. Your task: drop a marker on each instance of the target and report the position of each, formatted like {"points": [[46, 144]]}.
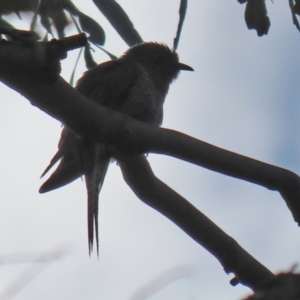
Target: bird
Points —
{"points": [[135, 84]]}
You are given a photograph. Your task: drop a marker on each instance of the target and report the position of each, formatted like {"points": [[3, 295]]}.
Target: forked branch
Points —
{"points": [[87, 119], [234, 259]]}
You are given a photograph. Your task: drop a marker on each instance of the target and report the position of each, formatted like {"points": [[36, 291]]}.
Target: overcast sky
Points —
{"points": [[243, 96]]}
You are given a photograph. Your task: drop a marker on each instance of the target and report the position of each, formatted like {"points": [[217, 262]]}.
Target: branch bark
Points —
{"points": [[20, 69], [59, 100], [138, 175]]}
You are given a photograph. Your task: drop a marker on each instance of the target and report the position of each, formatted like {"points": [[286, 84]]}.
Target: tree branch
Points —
{"points": [[20, 67], [24, 59], [138, 175]]}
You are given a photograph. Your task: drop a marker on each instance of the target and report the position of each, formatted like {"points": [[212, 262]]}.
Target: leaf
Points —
{"points": [[297, 7], [256, 16], [90, 26], [60, 22], [50, 8], [118, 18], [10, 6], [75, 23], [294, 11], [52, 12], [46, 24], [45, 38], [112, 57], [4, 23], [88, 57], [34, 21], [182, 12], [76, 63]]}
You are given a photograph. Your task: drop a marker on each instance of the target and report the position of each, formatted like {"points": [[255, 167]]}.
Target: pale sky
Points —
{"points": [[243, 96]]}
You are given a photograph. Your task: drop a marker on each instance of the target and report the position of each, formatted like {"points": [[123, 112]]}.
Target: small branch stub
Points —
{"points": [[23, 56]]}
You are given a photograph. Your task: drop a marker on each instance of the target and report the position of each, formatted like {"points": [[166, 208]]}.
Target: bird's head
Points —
{"points": [[158, 59]]}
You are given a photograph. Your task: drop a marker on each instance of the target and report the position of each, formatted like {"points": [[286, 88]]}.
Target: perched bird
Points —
{"points": [[136, 84]]}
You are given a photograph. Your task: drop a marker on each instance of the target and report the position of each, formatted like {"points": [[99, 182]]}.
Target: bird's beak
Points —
{"points": [[184, 67]]}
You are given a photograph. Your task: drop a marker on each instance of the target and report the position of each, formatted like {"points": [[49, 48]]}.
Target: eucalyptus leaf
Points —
{"points": [[182, 13], [95, 31], [4, 23], [256, 16], [75, 67], [88, 57], [118, 18], [295, 10]]}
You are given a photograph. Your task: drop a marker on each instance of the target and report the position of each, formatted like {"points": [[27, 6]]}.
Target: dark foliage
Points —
{"points": [[256, 15]]}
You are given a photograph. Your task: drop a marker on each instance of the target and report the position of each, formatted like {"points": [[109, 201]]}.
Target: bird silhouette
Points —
{"points": [[136, 84]]}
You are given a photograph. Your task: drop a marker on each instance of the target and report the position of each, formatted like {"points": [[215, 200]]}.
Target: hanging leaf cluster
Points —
{"points": [[57, 14], [256, 15]]}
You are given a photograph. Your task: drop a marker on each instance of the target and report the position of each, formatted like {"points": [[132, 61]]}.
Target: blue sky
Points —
{"points": [[243, 96]]}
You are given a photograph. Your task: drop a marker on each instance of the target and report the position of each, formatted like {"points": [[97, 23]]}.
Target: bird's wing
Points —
{"points": [[107, 84], [118, 86]]}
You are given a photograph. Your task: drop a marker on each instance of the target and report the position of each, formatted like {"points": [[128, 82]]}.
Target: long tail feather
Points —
{"points": [[94, 178]]}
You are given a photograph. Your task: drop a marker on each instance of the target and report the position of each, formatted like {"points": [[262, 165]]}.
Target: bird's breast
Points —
{"points": [[145, 102]]}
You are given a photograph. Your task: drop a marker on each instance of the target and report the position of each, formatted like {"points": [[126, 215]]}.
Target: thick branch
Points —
{"points": [[139, 176], [181, 146], [97, 123], [34, 61]]}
